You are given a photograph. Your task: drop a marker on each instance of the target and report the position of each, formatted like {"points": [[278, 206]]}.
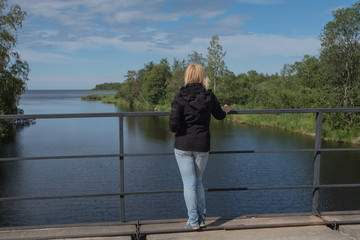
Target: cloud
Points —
{"points": [[81, 19], [211, 14], [233, 21], [84, 12], [270, 45], [34, 56], [241, 45]]}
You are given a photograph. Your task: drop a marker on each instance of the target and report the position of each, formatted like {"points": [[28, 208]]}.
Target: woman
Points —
{"points": [[189, 123]]}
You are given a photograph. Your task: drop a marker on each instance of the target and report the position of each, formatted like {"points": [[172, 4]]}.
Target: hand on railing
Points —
{"points": [[226, 108]]}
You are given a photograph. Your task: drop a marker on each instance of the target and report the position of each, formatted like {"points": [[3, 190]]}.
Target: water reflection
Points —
{"points": [[150, 134], [153, 128], [340, 168]]}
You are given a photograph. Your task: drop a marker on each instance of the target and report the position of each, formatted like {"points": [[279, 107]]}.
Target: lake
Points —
{"points": [[86, 136]]}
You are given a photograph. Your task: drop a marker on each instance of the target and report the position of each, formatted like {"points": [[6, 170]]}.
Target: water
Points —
{"points": [[50, 137]]}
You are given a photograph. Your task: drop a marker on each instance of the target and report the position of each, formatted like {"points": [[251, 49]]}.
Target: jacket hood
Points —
{"points": [[196, 96]]}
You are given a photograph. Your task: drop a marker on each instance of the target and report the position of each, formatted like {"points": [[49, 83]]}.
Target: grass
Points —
{"points": [[301, 123], [104, 98], [112, 99], [295, 122]]}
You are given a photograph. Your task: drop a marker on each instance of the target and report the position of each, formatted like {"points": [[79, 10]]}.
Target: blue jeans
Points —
{"points": [[192, 166]]}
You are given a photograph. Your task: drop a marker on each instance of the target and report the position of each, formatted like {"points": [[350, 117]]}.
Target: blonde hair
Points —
{"points": [[195, 73]]}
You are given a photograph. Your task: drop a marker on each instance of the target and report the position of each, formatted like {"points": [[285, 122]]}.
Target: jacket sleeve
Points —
{"points": [[175, 115], [217, 111]]}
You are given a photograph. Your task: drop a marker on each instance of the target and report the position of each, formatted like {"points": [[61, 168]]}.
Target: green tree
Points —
{"points": [[13, 71], [196, 57], [108, 86], [153, 82], [340, 55], [177, 80], [129, 90], [308, 72], [215, 62], [254, 80], [232, 89], [313, 90]]}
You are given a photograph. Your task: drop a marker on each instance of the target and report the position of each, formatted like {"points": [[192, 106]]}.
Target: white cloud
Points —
{"points": [[36, 56], [232, 21], [268, 44], [241, 45], [82, 12], [210, 14]]}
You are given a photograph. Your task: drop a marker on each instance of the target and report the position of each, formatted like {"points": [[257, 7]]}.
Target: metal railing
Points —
{"points": [[317, 150]]}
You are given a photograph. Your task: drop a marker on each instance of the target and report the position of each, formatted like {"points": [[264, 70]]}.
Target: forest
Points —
{"points": [[329, 80], [107, 86]]}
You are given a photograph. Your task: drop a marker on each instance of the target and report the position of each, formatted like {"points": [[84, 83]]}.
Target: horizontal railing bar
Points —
{"points": [[60, 197], [288, 150], [180, 190], [89, 195], [145, 114], [171, 153], [84, 115], [62, 115], [57, 157], [84, 156], [283, 187], [156, 113], [297, 110]]}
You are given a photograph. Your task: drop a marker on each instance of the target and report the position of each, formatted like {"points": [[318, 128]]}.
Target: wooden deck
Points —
{"points": [[328, 226]]}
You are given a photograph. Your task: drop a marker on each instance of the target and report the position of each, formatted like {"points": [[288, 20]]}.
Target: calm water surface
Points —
{"points": [[50, 137]]}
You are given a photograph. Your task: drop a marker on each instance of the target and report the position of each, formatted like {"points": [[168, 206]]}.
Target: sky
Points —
{"points": [[76, 44]]}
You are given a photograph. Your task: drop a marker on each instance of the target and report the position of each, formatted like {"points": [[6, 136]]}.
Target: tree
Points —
{"points": [[154, 79], [177, 80], [198, 58], [309, 77], [215, 61], [107, 86], [129, 90], [232, 89], [13, 71], [340, 55]]}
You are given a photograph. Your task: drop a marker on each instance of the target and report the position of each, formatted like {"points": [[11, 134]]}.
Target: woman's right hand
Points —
{"points": [[226, 108]]}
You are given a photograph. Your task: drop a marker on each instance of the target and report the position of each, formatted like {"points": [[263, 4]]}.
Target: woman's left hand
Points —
{"points": [[226, 108]]}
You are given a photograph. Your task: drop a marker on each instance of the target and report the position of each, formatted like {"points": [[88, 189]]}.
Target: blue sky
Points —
{"points": [[76, 44]]}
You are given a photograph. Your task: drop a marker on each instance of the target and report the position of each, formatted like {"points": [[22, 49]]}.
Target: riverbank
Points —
{"points": [[300, 123]]}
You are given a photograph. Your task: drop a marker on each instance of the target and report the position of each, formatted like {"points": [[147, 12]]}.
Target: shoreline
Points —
{"points": [[296, 132], [105, 99]]}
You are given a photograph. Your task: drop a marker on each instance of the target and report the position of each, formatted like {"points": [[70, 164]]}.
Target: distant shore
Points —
{"points": [[303, 124]]}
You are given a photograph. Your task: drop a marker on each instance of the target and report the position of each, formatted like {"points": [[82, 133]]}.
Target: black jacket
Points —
{"points": [[190, 117]]}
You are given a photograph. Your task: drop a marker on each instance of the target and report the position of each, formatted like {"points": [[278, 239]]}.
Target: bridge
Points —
{"points": [[313, 225], [327, 226]]}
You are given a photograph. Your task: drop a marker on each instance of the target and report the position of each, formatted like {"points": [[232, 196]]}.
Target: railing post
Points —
{"points": [[122, 172], [317, 155]]}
